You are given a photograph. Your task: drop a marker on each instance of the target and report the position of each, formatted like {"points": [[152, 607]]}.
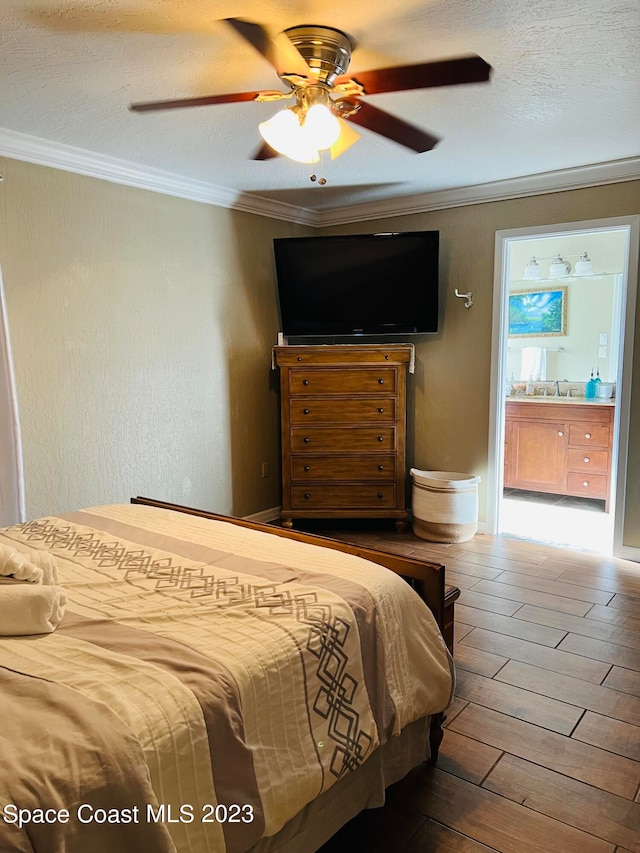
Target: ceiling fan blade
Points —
{"points": [[277, 50], [265, 152], [346, 139], [444, 72], [393, 128], [206, 101]]}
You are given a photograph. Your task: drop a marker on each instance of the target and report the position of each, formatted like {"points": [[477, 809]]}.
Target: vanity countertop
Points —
{"points": [[562, 401]]}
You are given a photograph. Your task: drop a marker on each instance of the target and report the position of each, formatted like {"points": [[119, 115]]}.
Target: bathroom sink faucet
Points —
{"points": [[557, 388]]}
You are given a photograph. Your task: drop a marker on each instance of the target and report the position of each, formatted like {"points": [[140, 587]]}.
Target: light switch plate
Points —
{"points": [[603, 339], [602, 352]]}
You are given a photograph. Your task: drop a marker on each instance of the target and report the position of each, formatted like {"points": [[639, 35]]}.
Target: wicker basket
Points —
{"points": [[444, 505]]}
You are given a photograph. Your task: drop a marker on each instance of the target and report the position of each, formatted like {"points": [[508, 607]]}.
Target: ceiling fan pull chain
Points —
{"points": [[314, 178]]}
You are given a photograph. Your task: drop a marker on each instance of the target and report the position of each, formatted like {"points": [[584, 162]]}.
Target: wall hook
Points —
{"points": [[467, 296]]}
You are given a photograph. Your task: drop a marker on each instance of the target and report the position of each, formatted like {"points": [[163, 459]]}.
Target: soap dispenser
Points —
{"points": [[590, 389], [508, 388], [597, 380]]}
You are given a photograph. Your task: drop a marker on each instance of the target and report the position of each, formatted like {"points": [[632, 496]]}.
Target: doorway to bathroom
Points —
{"points": [[564, 312]]}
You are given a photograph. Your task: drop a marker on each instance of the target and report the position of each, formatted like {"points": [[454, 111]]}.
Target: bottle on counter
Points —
{"points": [[597, 380], [590, 388], [530, 388]]}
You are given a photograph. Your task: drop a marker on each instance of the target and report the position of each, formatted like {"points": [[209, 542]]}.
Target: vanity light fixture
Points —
{"points": [[583, 265], [559, 267], [532, 271]]}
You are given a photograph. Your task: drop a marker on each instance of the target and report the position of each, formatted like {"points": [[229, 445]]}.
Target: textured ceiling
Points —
{"points": [[565, 90]]}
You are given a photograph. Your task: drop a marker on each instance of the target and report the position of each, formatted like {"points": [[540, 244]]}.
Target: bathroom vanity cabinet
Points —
{"points": [[343, 427], [559, 446]]}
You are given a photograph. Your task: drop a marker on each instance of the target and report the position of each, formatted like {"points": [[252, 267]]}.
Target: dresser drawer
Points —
{"points": [[591, 461], [342, 496], [343, 381], [589, 435], [590, 485], [343, 356], [319, 439], [352, 410], [343, 467]]}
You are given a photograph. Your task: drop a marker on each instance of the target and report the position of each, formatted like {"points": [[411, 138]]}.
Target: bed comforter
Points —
{"points": [[206, 683]]}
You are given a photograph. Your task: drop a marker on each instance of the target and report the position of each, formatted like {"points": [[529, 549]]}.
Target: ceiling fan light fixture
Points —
{"points": [[301, 132], [284, 133], [321, 127]]}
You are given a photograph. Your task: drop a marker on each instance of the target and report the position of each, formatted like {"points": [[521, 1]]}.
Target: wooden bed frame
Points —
{"points": [[426, 578]]}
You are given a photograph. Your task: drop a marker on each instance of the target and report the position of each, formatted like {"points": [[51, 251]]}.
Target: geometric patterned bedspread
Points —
{"points": [[206, 683]]}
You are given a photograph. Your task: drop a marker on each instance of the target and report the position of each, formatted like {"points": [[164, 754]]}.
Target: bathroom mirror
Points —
{"points": [[586, 337]]}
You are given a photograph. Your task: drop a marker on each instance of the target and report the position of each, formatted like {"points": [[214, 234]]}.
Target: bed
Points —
{"points": [[214, 685]]}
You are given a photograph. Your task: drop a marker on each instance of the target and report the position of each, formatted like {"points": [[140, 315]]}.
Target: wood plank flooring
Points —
{"points": [[541, 752]]}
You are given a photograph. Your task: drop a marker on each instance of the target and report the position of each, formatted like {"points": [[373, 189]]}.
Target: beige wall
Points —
{"points": [[142, 328], [449, 430]]}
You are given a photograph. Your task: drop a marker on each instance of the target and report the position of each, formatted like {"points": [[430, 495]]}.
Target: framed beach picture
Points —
{"points": [[538, 312]]}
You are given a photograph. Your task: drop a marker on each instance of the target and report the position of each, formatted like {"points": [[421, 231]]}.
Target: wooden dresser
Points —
{"points": [[343, 424], [562, 448]]}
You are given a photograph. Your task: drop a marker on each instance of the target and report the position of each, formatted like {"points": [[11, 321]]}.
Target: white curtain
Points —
{"points": [[12, 505]]}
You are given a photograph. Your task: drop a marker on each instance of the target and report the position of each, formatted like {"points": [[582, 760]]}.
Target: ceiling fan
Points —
{"points": [[312, 61]]}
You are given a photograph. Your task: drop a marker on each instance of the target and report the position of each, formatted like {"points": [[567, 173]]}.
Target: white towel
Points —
{"points": [[533, 363], [31, 565], [30, 609]]}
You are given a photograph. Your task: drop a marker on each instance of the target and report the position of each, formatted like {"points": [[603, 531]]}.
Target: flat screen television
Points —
{"points": [[358, 284]]}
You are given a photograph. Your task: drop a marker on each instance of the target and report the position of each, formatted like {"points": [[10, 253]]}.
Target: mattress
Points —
{"points": [[207, 685]]}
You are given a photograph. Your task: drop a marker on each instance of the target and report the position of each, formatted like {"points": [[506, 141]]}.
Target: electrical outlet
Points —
{"points": [[265, 470], [603, 339], [602, 352]]}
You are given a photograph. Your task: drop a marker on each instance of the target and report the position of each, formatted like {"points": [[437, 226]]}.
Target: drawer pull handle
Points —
{"points": [[307, 468], [305, 411], [380, 381], [380, 438], [380, 467], [299, 358], [380, 495], [380, 409], [307, 496], [305, 381], [587, 435], [585, 482], [306, 439], [586, 459], [560, 432], [386, 358]]}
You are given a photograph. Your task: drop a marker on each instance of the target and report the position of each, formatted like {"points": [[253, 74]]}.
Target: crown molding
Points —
{"points": [[595, 174], [57, 155], [33, 149]]}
